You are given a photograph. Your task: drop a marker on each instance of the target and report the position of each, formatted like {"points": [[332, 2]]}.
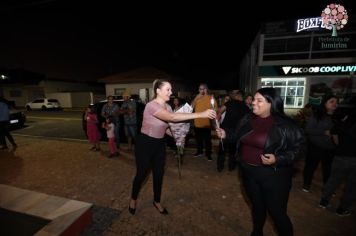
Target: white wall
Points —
{"points": [[73, 99], [139, 88], [64, 99], [81, 99], [131, 88]]}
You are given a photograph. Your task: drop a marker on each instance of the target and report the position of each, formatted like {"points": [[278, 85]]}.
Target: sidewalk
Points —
{"points": [[202, 202]]}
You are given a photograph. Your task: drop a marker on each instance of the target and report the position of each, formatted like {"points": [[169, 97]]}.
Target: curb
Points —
{"points": [[74, 109]]}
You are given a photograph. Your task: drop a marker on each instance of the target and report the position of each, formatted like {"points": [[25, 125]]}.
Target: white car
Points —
{"points": [[43, 104]]}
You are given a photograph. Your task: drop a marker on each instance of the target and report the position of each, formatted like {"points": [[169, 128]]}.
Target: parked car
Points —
{"points": [[43, 104], [17, 119]]}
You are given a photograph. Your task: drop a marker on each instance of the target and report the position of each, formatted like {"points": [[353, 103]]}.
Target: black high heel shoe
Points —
{"points": [[164, 212], [132, 210]]}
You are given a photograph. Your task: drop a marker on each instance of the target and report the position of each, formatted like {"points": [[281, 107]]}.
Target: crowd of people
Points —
{"points": [[111, 112], [259, 139]]}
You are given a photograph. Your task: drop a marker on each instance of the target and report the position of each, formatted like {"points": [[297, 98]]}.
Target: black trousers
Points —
{"points": [[203, 136], [4, 132], [230, 149], [150, 154], [314, 156], [343, 171], [268, 190]]}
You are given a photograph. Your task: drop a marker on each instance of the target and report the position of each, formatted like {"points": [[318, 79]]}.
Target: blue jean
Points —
{"points": [[131, 131]]}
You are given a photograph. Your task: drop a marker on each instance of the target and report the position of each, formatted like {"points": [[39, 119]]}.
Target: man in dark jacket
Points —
{"points": [[4, 125], [234, 109]]}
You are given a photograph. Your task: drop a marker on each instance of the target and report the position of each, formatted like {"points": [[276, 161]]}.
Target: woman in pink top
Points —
{"points": [[150, 151]]}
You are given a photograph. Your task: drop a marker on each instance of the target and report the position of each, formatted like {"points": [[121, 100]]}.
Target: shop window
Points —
{"points": [[267, 84], [300, 101], [292, 90], [119, 91], [280, 83], [279, 57], [343, 87], [300, 82], [300, 91]]}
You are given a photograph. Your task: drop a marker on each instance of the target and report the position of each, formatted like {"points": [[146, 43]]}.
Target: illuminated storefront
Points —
{"points": [[302, 61]]}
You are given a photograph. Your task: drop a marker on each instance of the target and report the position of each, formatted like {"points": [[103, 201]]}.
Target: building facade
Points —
{"points": [[140, 82], [303, 61]]}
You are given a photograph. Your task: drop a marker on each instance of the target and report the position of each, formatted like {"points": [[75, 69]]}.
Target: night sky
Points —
{"points": [[87, 41]]}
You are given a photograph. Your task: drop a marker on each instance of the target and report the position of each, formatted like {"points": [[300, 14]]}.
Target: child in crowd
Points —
{"points": [[110, 128], [92, 128]]}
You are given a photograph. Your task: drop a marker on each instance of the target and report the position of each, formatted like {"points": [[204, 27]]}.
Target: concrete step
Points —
{"points": [[62, 216]]}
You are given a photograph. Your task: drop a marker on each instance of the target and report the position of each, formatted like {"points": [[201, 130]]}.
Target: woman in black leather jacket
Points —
{"points": [[267, 142]]}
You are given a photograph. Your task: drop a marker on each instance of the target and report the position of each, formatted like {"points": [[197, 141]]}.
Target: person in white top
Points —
{"points": [[110, 132]]}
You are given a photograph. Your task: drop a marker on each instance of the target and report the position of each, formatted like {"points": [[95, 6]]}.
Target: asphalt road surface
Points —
{"points": [[53, 124]]}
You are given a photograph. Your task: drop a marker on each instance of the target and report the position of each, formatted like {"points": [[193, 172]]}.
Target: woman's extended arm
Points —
{"points": [[176, 117]]}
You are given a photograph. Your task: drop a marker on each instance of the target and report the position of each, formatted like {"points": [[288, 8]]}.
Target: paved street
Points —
{"points": [[53, 124], [202, 202]]}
